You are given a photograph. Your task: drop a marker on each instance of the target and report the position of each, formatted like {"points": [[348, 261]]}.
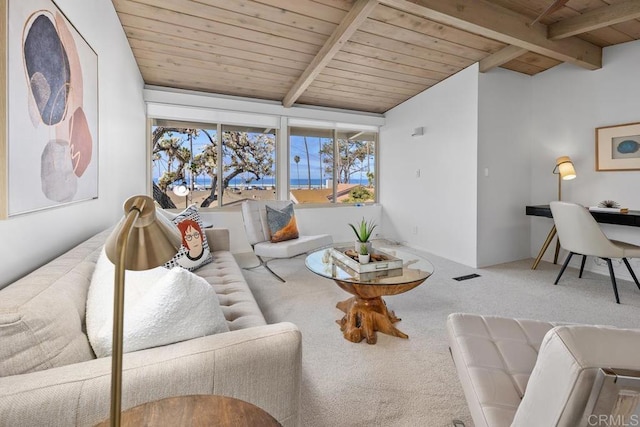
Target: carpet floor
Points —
{"points": [[413, 382]]}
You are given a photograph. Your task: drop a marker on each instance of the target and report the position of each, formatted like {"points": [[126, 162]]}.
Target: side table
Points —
{"points": [[197, 410]]}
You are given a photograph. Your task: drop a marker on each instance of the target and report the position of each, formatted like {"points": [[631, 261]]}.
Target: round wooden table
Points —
{"points": [[197, 410], [366, 312]]}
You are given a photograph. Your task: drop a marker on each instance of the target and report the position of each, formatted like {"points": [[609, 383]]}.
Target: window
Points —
{"points": [[248, 164], [330, 166], [310, 168], [185, 167]]}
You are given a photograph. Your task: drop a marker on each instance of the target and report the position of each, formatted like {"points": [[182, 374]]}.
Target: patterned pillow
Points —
{"points": [[282, 223], [194, 252]]}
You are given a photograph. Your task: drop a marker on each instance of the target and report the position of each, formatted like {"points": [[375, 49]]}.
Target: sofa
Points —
{"points": [[50, 376], [520, 372]]}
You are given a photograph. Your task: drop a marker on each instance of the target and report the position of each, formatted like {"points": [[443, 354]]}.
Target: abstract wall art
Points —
{"points": [[49, 114], [618, 147]]}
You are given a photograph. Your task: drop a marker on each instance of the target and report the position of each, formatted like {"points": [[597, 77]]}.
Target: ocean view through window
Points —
{"points": [[185, 156], [332, 166], [325, 165]]}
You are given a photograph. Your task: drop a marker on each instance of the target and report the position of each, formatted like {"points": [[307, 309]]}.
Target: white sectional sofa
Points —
{"points": [[50, 376], [518, 372]]}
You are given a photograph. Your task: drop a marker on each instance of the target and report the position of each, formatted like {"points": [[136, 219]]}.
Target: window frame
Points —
{"points": [[281, 127], [335, 130]]}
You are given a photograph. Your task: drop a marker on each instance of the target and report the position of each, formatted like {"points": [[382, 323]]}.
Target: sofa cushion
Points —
{"points": [[194, 252], [161, 307], [42, 315], [236, 299]]}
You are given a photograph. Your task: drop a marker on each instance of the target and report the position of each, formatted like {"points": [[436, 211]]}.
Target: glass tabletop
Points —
{"points": [[324, 262]]}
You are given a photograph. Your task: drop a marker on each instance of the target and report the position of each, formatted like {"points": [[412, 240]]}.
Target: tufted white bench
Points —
{"points": [[517, 372]]}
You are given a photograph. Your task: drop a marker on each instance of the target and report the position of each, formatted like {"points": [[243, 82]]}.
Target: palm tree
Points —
{"points": [[306, 147], [297, 160]]}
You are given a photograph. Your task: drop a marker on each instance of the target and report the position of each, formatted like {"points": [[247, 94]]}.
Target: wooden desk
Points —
{"points": [[632, 219], [197, 410]]}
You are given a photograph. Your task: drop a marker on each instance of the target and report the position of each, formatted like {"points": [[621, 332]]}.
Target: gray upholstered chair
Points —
{"points": [[254, 215], [579, 233]]}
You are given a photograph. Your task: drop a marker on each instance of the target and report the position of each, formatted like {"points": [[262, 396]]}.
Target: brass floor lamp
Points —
{"points": [[565, 171], [140, 241]]}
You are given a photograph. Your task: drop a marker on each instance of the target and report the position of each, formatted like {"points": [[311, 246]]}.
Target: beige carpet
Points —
{"points": [[413, 382]]}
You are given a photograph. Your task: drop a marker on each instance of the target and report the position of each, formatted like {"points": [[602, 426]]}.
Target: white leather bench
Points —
{"points": [[517, 372]]}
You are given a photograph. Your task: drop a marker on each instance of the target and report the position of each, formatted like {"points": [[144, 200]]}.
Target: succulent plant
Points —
{"points": [[363, 230]]}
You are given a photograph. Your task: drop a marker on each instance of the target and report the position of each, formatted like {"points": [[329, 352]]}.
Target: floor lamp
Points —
{"points": [[565, 171], [140, 241]]}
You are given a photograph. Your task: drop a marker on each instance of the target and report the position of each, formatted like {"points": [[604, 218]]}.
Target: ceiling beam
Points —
{"points": [[594, 19], [349, 25], [501, 57], [493, 21]]}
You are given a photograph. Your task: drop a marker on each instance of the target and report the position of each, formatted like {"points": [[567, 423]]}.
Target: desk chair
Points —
{"points": [[579, 233], [254, 216]]}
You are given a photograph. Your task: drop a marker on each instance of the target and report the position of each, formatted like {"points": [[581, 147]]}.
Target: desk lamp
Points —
{"points": [[140, 241], [565, 171]]}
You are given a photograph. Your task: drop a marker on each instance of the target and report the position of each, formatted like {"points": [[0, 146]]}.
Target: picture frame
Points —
{"points": [[618, 147], [48, 109]]}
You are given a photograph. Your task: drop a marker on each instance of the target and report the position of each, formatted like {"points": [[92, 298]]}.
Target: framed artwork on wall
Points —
{"points": [[618, 147], [48, 109]]}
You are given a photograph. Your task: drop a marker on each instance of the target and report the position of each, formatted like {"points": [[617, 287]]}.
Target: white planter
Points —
{"points": [[358, 244], [364, 259]]}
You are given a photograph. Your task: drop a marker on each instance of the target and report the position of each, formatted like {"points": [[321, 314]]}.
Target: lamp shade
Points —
{"points": [[153, 239], [181, 190], [565, 168]]}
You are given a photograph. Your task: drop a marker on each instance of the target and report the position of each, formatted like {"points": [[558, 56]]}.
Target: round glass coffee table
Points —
{"points": [[366, 312]]}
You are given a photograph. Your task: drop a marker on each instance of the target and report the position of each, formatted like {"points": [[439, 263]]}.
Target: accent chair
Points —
{"points": [[254, 215], [579, 233]]}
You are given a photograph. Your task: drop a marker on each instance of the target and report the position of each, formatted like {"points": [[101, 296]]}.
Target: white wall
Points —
{"points": [[437, 211], [568, 103], [31, 239], [504, 168]]}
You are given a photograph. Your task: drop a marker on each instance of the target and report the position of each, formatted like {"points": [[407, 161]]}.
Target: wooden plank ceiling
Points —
{"points": [[365, 55]]}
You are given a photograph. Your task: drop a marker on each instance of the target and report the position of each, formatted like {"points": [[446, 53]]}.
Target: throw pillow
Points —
{"points": [[282, 223], [176, 307], [194, 252], [100, 295]]}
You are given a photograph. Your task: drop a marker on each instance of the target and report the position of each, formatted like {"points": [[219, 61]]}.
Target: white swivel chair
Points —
{"points": [[254, 215], [579, 233]]}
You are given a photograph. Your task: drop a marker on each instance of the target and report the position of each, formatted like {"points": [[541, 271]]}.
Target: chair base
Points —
{"points": [[264, 264], [611, 273]]}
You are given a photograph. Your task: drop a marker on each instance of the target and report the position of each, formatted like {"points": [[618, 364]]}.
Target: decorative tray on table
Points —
{"points": [[380, 260]]}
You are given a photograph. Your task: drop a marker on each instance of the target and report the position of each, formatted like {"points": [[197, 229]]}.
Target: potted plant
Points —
{"points": [[363, 232], [363, 254]]}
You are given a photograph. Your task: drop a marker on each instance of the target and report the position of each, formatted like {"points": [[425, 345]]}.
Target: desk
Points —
{"points": [[632, 219]]}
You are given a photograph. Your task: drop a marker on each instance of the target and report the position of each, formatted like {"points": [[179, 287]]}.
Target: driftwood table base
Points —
{"points": [[363, 317], [366, 314]]}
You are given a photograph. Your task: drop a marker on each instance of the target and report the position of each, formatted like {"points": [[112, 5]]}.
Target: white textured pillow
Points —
{"points": [[176, 306]]}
